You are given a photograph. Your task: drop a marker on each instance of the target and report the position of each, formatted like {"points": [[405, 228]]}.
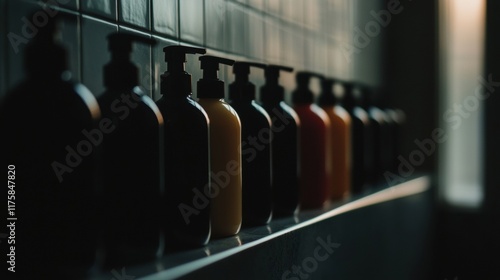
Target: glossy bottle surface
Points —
{"points": [[225, 165], [314, 137], [46, 119], [285, 157], [45, 122], [341, 150], [187, 181], [256, 162], [132, 176], [256, 148], [360, 141]]}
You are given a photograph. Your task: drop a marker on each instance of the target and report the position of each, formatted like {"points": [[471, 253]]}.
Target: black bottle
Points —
{"points": [[380, 123], [255, 147], [374, 132], [361, 140], [49, 128], [132, 160], [186, 149], [285, 143]]}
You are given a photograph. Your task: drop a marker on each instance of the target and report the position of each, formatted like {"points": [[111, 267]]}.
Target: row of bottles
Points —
{"points": [[128, 178]]}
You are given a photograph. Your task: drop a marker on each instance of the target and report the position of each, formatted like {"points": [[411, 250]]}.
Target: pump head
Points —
{"points": [[210, 86], [176, 82], [302, 94], [241, 88], [175, 56], [44, 55], [120, 72], [242, 68], [271, 91], [348, 101], [327, 97]]}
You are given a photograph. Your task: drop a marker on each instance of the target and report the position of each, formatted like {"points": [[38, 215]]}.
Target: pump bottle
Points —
{"points": [[380, 132], [132, 160], [314, 147], [50, 146], [255, 146], [186, 150], [285, 143], [340, 140], [225, 153], [360, 141]]}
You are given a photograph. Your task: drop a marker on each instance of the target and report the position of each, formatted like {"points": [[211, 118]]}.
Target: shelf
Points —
{"points": [[181, 264]]}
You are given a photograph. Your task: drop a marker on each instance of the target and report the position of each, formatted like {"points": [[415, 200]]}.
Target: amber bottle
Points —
{"points": [[225, 153], [340, 140]]}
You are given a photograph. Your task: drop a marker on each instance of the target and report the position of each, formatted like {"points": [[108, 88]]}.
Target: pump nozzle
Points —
{"points": [[242, 88], [175, 56], [348, 101], [45, 55], [272, 72], [242, 68], [327, 97], [210, 86], [120, 72], [271, 91], [303, 94], [175, 81]]}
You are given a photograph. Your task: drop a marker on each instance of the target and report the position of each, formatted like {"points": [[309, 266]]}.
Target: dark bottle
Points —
{"points": [[225, 152], [361, 140], [186, 148], [255, 146], [132, 160], [397, 117], [380, 124], [49, 152], [285, 143], [315, 180], [340, 145]]}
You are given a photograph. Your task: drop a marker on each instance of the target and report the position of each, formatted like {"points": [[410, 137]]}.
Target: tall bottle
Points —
{"points": [[186, 149], [285, 143], [340, 140], [380, 133], [255, 145], [49, 152], [132, 160], [360, 141], [315, 145], [225, 153]]}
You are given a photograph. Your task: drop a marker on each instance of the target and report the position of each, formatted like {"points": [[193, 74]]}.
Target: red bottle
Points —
{"points": [[315, 161]]}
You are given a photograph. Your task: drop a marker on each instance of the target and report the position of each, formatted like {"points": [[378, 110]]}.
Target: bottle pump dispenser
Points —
{"points": [[131, 161], [225, 153], [256, 147], [285, 143], [186, 148], [45, 119], [340, 144], [315, 145]]}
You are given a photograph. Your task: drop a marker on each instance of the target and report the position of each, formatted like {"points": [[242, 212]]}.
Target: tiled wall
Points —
{"points": [[308, 35]]}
